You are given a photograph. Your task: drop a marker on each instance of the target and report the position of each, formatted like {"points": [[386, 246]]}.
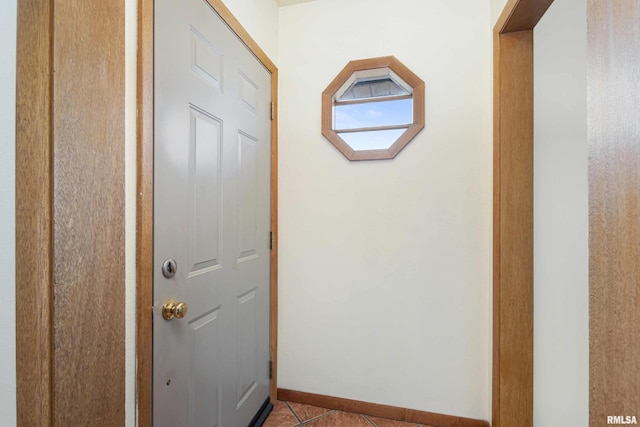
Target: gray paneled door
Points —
{"points": [[211, 216]]}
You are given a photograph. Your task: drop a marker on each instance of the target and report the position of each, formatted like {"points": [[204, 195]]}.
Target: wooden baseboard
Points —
{"points": [[377, 410]]}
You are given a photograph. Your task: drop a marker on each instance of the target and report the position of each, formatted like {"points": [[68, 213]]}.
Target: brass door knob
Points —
{"points": [[171, 309]]}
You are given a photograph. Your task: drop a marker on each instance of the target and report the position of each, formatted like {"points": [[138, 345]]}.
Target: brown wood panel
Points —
{"points": [[34, 185], [521, 15], [273, 327], [144, 217], [497, 200], [144, 248], [377, 410], [88, 156], [613, 86], [513, 230]]}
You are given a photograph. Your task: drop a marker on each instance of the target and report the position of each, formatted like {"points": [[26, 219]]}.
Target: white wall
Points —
{"points": [[131, 51], [7, 209], [260, 19], [385, 266], [496, 9], [561, 281]]}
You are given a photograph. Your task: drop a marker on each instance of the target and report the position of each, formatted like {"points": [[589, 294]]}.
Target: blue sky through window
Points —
{"points": [[373, 114]]}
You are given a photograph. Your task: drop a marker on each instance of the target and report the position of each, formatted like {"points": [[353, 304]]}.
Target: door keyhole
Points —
{"points": [[169, 268]]}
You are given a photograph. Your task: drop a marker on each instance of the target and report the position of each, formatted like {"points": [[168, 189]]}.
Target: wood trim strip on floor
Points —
{"points": [[378, 410]]}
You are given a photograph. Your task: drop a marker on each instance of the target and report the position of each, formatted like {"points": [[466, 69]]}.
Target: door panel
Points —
{"points": [[205, 182], [204, 374], [247, 166], [247, 357], [212, 216]]}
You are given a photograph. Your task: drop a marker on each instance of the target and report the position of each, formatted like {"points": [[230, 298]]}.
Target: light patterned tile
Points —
{"points": [[281, 416], [307, 412]]}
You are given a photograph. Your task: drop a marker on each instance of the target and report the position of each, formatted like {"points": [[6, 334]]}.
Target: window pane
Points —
{"points": [[372, 140], [373, 114], [363, 89]]}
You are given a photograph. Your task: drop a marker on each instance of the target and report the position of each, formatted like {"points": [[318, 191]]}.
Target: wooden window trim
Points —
{"points": [[368, 64]]}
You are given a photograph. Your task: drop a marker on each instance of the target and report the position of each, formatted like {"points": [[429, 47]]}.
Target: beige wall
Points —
{"points": [[260, 19], [7, 209], [561, 230], [385, 266], [496, 10], [131, 50]]}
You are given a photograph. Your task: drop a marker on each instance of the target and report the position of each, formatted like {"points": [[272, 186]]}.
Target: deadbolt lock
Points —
{"points": [[169, 268], [171, 309]]}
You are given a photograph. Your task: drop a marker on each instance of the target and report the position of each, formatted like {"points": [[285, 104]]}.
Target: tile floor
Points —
{"points": [[291, 414]]}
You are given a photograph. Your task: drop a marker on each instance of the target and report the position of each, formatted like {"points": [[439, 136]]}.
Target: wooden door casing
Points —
{"points": [[613, 94], [613, 118], [512, 385], [70, 218]]}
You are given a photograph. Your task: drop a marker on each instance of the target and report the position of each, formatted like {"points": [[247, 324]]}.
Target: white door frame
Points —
{"points": [[144, 220]]}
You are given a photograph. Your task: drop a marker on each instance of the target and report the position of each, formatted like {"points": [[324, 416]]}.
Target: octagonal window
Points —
{"points": [[373, 109]]}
